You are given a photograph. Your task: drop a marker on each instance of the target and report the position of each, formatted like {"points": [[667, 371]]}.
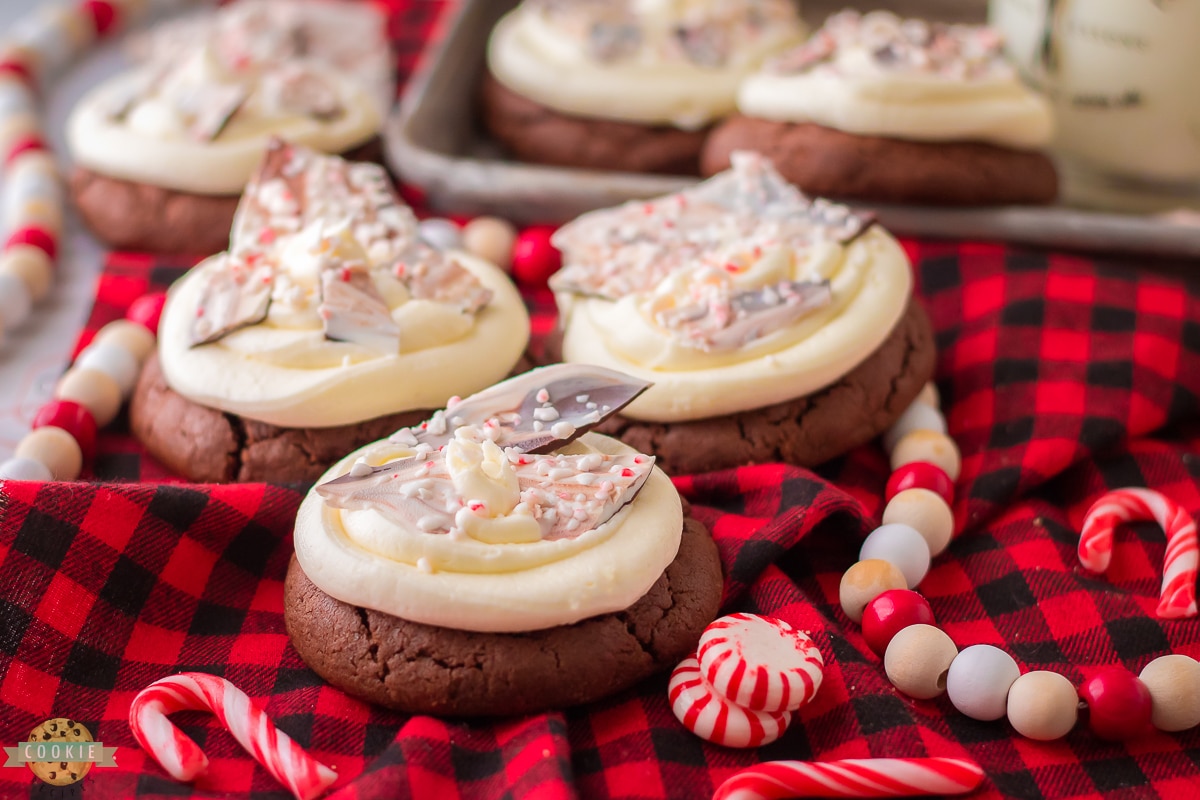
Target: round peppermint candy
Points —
{"points": [[713, 718], [760, 663]]}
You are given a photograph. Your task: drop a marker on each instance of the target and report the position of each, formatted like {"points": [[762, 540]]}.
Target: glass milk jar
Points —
{"points": [[1124, 79]]}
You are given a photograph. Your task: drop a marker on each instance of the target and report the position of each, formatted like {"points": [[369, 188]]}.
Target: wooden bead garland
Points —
{"points": [[982, 681], [33, 52]]}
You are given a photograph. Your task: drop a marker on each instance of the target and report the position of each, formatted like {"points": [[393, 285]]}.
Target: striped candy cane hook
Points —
{"points": [[1178, 596], [303, 775]]}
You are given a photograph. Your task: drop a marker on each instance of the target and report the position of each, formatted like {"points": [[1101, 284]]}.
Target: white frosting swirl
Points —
{"points": [[542, 50], [285, 372], [870, 79], [362, 558]]}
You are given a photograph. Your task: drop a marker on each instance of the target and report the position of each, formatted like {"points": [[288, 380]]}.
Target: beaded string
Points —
{"points": [[983, 681]]}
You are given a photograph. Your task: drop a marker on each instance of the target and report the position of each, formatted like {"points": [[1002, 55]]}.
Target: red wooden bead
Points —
{"points": [[73, 418], [534, 258], [891, 612], [1118, 702], [18, 69], [22, 145], [147, 310], [920, 475], [103, 15], [35, 236]]}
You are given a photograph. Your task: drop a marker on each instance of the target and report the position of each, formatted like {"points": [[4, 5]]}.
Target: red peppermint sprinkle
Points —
{"points": [[266, 236], [626, 472], [104, 16]]}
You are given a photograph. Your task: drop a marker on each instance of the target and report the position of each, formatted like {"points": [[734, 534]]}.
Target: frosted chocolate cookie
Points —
{"points": [[882, 109], [163, 150], [624, 85], [326, 318], [489, 562], [773, 327]]}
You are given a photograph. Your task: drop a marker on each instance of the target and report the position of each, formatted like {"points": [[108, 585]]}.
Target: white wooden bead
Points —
{"points": [[926, 511], [31, 265], [917, 417], [1174, 684], [1042, 705], [97, 392], [929, 396], [865, 581], [15, 97], [900, 545], [26, 186], [131, 336], [15, 301], [936, 448], [114, 361], [979, 679], [492, 239], [441, 234], [55, 448], [25, 469], [918, 659]]}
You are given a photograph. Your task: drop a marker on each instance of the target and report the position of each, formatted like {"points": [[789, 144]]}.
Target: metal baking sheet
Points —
{"points": [[436, 143]]}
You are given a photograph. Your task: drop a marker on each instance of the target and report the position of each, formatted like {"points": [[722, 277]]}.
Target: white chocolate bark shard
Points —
{"points": [[695, 255], [352, 310], [214, 106], [431, 275], [236, 295]]}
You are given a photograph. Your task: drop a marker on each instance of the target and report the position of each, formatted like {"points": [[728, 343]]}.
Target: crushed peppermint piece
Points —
{"points": [[546, 413], [361, 468], [562, 430], [542, 396], [424, 565]]}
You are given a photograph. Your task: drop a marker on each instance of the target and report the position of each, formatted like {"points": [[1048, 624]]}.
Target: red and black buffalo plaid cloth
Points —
{"points": [[1061, 377]]}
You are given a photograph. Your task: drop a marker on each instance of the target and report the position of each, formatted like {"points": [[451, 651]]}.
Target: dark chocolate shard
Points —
{"points": [[538, 410], [352, 310], [213, 107], [235, 295]]}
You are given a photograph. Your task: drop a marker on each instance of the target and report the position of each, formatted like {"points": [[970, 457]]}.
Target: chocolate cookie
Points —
{"points": [[806, 431], [541, 135], [211, 446], [429, 670], [827, 162], [127, 215]]}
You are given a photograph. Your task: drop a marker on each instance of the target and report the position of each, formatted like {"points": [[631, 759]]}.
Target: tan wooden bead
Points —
{"points": [[93, 390], [936, 448], [1174, 684], [929, 396], [55, 448], [926, 511], [865, 581], [31, 265], [1043, 705], [18, 127], [918, 659], [492, 239], [133, 337]]}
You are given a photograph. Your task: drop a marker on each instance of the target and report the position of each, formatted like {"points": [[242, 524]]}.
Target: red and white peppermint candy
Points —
{"points": [[760, 663], [1181, 561], [304, 776], [853, 777], [713, 718]]}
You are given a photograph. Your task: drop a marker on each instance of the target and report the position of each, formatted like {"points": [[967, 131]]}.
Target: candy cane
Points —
{"points": [[1178, 595], [852, 777], [183, 760]]}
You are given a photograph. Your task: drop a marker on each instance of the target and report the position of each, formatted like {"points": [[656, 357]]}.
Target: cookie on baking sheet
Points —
{"points": [[425, 669], [162, 150], [60, 773], [772, 327], [877, 108], [623, 85], [828, 162], [326, 324], [499, 558], [538, 134]]}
